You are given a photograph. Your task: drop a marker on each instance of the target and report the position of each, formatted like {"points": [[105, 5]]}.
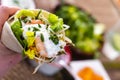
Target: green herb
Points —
{"points": [[23, 53], [25, 20], [35, 29], [39, 25], [29, 28], [54, 38], [20, 22], [34, 33], [38, 14], [46, 27], [25, 44], [42, 37]]}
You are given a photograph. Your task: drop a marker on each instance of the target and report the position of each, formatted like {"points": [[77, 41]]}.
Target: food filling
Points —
{"points": [[41, 34]]}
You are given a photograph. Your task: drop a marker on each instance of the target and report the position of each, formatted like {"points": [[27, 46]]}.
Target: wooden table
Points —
{"points": [[105, 11]]}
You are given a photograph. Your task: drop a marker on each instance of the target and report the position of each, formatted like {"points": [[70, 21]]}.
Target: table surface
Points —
{"points": [[105, 11]]}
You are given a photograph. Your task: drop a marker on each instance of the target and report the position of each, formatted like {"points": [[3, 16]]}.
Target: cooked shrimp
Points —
{"points": [[37, 22], [40, 47]]}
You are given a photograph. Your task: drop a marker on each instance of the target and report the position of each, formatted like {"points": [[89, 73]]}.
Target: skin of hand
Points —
{"points": [[8, 58]]}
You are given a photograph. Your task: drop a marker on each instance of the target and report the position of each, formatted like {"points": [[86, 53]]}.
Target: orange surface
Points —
{"points": [[118, 2], [88, 74]]}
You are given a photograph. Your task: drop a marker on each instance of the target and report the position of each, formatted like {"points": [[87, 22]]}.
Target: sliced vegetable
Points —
{"points": [[56, 23], [42, 37], [30, 38], [38, 14], [30, 53], [53, 18], [25, 12], [39, 25], [58, 26], [35, 29]]}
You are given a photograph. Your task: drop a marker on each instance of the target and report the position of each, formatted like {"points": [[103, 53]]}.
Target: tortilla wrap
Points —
{"points": [[37, 34], [9, 39]]}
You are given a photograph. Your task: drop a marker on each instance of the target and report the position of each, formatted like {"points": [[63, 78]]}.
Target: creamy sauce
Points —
{"points": [[51, 48]]}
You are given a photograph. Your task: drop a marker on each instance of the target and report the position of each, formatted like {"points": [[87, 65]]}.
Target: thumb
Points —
{"points": [[5, 13]]}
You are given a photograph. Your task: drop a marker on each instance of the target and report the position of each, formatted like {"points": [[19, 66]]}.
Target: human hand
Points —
{"points": [[8, 58]]}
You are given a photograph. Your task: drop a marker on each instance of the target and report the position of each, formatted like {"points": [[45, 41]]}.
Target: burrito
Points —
{"points": [[37, 34]]}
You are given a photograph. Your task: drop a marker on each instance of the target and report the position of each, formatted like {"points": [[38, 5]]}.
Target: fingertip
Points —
{"points": [[13, 10], [9, 9]]}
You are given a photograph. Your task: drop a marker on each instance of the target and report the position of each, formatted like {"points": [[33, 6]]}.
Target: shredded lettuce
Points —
{"points": [[56, 23], [57, 26], [17, 30]]}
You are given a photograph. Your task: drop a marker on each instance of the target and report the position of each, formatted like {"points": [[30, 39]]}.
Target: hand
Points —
{"points": [[8, 58]]}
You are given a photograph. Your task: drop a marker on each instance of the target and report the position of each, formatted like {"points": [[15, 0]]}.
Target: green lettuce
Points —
{"points": [[17, 30], [53, 18], [56, 23]]}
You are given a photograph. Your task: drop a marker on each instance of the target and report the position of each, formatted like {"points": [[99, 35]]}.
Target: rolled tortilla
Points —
{"points": [[48, 38], [9, 39]]}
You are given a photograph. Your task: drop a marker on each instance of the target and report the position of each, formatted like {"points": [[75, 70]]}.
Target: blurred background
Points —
{"points": [[95, 31]]}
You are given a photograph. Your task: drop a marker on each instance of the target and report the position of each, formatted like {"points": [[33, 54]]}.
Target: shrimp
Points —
{"points": [[40, 47], [35, 22]]}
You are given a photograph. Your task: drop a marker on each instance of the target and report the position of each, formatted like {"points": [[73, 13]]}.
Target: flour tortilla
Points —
{"points": [[8, 38]]}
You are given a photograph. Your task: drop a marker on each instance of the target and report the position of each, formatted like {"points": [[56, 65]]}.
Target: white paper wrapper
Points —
{"points": [[9, 40]]}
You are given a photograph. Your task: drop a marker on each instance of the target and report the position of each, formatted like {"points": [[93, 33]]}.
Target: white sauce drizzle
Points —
{"points": [[51, 48]]}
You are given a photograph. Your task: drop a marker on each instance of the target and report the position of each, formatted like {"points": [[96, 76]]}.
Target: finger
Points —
{"points": [[12, 10], [9, 10], [5, 12]]}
